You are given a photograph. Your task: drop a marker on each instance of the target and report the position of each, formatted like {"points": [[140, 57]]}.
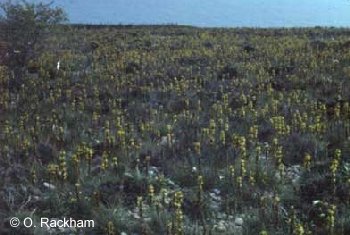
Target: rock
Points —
{"points": [[216, 191], [49, 186], [165, 141], [215, 197], [194, 169], [293, 173], [315, 202], [170, 183], [221, 216], [263, 158], [239, 222], [215, 205], [136, 215], [220, 227], [153, 171]]}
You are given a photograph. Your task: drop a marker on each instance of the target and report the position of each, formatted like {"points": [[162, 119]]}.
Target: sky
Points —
{"points": [[210, 13]]}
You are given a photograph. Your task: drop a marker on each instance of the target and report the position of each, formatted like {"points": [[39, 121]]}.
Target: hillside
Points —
{"points": [[180, 130]]}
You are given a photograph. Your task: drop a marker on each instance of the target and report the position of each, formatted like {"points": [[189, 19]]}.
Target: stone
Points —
{"points": [[49, 186], [215, 197], [220, 227], [153, 171], [239, 222]]}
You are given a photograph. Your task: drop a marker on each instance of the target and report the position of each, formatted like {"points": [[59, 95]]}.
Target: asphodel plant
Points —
{"points": [[334, 168], [200, 183], [253, 133], [76, 164], [139, 204], [53, 170], [197, 150], [331, 218], [88, 153], [307, 161], [63, 171], [279, 161], [169, 135], [243, 158], [110, 229], [104, 161], [151, 194], [257, 162], [178, 227]]}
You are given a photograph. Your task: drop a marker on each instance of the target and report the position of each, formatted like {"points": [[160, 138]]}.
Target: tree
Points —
{"points": [[23, 25]]}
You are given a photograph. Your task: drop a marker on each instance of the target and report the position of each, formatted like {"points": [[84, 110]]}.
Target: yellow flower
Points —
{"points": [[307, 161], [197, 147]]}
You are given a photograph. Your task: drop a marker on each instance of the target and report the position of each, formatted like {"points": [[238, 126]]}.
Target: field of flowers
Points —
{"points": [[179, 130]]}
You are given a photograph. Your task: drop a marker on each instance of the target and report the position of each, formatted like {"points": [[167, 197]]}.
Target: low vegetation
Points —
{"points": [[180, 130]]}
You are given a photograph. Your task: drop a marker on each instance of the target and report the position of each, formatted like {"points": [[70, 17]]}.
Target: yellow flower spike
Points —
{"points": [[132, 142], [178, 199], [53, 169], [107, 124], [115, 161], [242, 112], [307, 161], [200, 182], [106, 133], [243, 99], [337, 110], [169, 129], [337, 154], [139, 204], [34, 175], [104, 161], [299, 229], [178, 222], [226, 128], [169, 138], [232, 171], [110, 228], [331, 216], [258, 150], [187, 103], [253, 132], [63, 172], [281, 169], [240, 181], [223, 137], [264, 232], [212, 124], [197, 147], [276, 199], [251, 178], [151, 193]]}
